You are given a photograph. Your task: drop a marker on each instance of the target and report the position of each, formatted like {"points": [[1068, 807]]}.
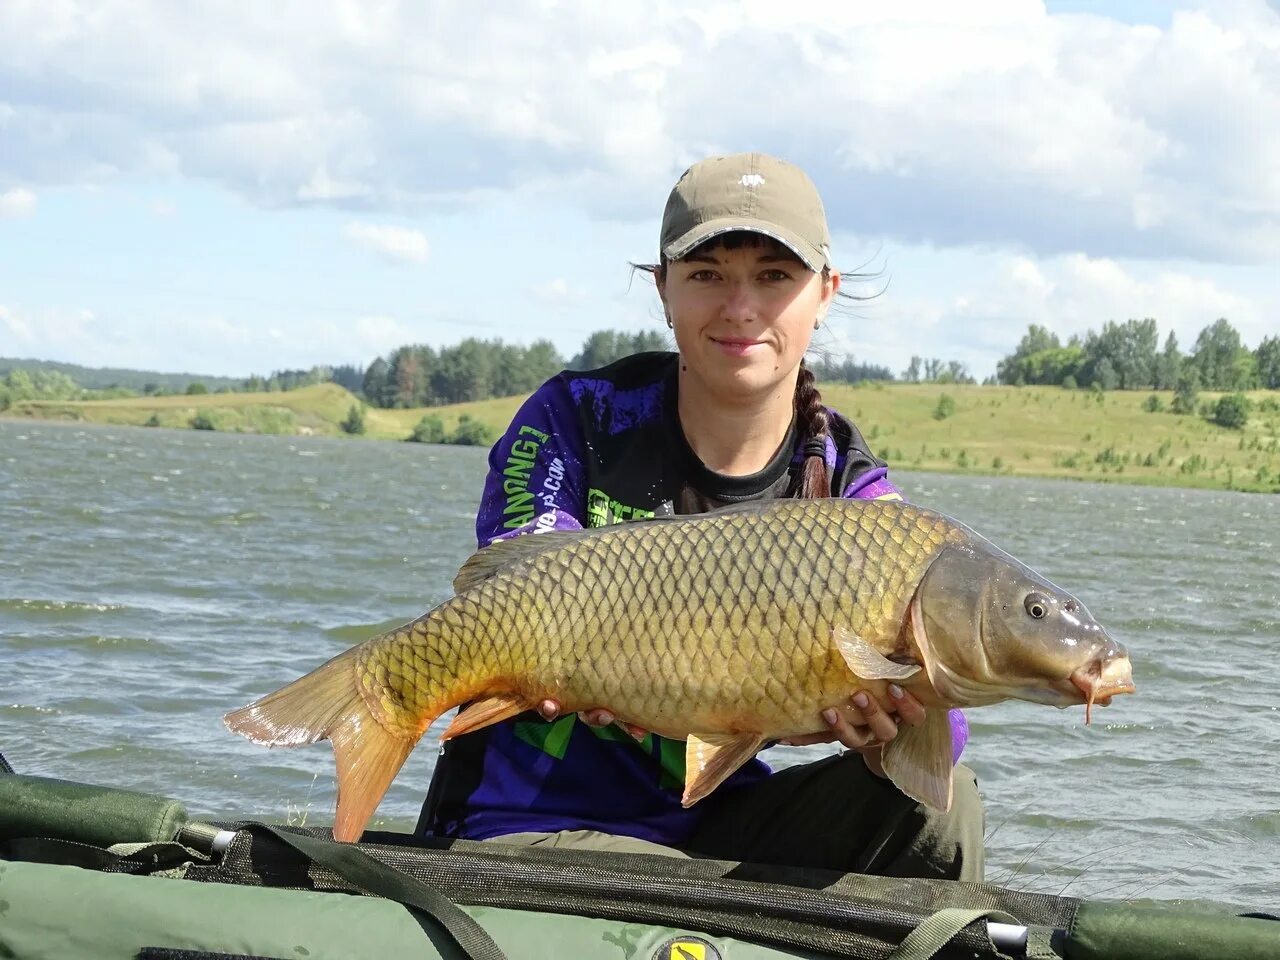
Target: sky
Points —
{"points": [[235, 187]]}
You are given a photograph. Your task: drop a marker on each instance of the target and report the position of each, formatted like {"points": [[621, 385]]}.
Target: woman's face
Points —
{"points": [[743, 318]]}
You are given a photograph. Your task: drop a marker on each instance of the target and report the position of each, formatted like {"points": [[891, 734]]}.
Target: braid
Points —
{"points": [[816, 479]]}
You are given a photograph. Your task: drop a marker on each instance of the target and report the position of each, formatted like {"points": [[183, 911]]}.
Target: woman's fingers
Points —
{"points": [[852, 737], [880, 723], [910, 710], [597, 717]]}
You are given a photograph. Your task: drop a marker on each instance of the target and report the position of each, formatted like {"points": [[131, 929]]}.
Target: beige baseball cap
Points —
{"points": [[747, 191]]}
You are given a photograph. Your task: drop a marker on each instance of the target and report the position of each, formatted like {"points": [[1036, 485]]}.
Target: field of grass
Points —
{"points": [[1026, 431]]}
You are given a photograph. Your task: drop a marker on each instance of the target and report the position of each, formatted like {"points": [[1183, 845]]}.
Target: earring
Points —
{"points": [[670, 325]]}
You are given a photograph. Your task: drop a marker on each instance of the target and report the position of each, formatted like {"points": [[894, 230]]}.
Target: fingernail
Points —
{"points": [[829, 716], [895, 691], [861, 699]]}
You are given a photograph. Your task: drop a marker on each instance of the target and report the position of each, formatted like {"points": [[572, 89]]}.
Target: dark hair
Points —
{"points": [[811, 413]]}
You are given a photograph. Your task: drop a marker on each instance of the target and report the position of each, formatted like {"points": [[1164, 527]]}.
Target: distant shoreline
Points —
{"points": [[986, 431]]}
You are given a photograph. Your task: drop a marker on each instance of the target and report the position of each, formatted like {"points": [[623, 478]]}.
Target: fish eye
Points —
{"points": [[1037, 605]]}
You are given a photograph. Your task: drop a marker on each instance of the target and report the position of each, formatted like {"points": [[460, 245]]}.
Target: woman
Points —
{"points": [[744, 278]]}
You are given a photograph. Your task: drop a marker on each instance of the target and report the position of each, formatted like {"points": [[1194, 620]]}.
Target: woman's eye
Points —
{"points": [[702, 275], [775, 276]]}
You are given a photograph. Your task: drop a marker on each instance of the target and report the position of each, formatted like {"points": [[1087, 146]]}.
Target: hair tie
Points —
{"points": [[816, 447]]}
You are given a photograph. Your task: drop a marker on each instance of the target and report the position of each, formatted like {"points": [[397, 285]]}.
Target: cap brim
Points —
{"points": [[812, 257]]}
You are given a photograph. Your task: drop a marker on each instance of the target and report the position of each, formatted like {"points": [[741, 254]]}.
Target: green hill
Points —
{"points": [[99, 378], [1021, 431]]}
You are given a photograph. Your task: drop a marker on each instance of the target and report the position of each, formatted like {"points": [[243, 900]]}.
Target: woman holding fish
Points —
{"points": [[745, 278], [617, 680]]}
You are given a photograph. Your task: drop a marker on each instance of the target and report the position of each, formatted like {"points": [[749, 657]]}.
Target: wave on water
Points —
{"points": [[57, 608]]}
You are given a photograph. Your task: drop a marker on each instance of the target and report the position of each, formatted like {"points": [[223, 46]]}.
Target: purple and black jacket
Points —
{"points": [[589, 449]]}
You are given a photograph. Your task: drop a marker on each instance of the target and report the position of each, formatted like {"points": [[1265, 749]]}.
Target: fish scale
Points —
{"points": [[724, 628]]}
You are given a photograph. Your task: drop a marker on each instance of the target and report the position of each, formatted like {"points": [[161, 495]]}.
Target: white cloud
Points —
{"points": [[393, 243], [558, 292], [997, 124], [18, 202]]}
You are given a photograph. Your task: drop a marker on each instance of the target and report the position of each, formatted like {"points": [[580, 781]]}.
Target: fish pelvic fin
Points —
{"points": [[480, 714], [869, 663], [710, 758], [919, 760], [327, 704]]}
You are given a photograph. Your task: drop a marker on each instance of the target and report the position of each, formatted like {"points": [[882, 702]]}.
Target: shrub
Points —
{"points": [[354, 424], [471, 433], [202, 421], [1069, 383], [1153, 404], [946, 407], [196, 389], [152, 421], [1232, 411], [430, 429]]}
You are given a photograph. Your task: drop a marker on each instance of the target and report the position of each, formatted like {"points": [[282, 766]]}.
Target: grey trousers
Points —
{"points": [[832, 814]]}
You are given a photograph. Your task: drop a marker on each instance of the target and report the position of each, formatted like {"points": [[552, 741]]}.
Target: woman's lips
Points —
{"points": [[736, 346]]}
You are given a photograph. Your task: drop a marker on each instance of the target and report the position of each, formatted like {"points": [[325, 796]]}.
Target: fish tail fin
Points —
{"points": [[327, 704]]}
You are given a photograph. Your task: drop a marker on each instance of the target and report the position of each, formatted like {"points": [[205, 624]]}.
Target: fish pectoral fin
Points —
{"points": [[482, 713], [868, 662], [709, 759], [919, 760]]}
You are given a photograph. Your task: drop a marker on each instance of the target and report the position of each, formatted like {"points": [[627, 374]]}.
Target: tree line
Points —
{"points": [[1129, 356], [1122, 356]]}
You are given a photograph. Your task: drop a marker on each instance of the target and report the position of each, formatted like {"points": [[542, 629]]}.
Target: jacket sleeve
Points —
{"points": [[537, 471]]}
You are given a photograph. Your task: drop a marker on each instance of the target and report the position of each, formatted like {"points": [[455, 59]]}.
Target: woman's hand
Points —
{"points": [[596, 717], [866, 725]]}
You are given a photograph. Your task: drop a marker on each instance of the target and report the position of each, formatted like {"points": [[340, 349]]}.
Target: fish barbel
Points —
{"points": [[726, 629]]}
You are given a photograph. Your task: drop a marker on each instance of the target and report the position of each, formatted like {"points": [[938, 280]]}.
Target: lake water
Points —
{"points": [[150, 580]]}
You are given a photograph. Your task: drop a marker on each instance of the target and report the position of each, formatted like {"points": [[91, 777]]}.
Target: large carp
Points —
{"points": [[725, 629]]}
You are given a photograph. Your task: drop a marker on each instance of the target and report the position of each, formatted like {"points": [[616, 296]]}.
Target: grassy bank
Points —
{"points": [[1026, 431]]}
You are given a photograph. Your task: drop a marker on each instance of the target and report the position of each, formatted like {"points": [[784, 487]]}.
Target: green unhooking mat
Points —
{"points": [[104, 873]]}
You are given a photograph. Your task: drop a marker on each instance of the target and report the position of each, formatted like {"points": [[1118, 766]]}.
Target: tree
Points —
{"points": [[1232, 411], [464, 372], [375, 384], [1221, 359], [1168, 364], [1128, 349], [1184, 396], [1267, 358], [1105, 376], [1035, 340], [605, 346], [354, 424], [912, 373], [196, 389]]}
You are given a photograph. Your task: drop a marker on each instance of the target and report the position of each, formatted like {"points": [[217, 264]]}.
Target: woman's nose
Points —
{"points": [[740, 303]]}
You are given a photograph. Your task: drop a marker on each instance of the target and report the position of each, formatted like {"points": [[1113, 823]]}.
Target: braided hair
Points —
{"points": [[811, 414]]}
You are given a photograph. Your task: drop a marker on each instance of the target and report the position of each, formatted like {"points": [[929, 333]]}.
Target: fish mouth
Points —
{"points": [[1101, 680]]}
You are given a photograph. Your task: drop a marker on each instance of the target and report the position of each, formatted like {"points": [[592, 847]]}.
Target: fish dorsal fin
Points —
{"points": [[709, 758], [919, 760], [504, 554], [869, 663]]}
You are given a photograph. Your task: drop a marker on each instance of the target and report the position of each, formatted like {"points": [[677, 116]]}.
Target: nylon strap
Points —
{"points": [[935, 931], [373, 876]]}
